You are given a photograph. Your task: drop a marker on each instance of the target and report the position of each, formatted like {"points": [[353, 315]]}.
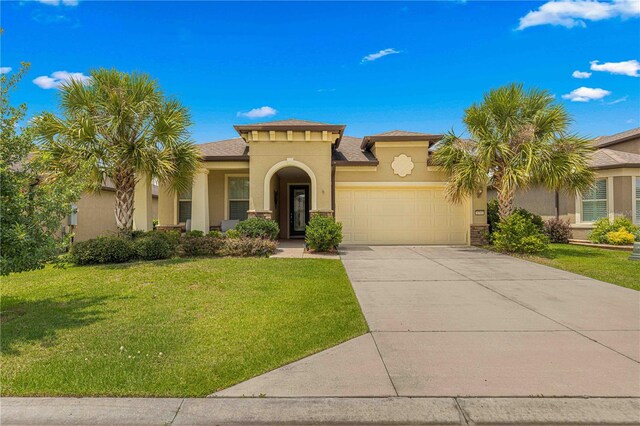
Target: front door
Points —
{"points": [[298, 209]]}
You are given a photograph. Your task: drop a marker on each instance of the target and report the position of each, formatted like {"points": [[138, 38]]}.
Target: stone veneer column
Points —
{"points": [[200, 202], [260, 213], [328, 213], [478, 235]]}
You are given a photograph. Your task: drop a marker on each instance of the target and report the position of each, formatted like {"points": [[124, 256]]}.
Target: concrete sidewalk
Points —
{"points": [[300, 411]]}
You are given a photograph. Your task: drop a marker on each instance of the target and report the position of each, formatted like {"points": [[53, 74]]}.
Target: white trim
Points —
{"points": [[634, 198], [390, 184], [610, 209], [226, 191], [356, 168], [226, 165], [288, 211], [289, 162]]}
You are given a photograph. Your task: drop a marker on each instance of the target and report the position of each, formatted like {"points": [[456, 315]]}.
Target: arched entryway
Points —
{"points": [[290, 195]]}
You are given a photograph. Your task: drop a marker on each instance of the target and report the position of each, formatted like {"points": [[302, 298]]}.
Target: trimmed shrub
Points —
{"points": [[493, 217], [215, 234], [107, 249], [518, 234], [323, 233], [233, 234], [603, 226], [536, 219], [258, 227], [194, 233], [558, 230], [153, 246], [243, 247], [199, 245], [620, 237]]}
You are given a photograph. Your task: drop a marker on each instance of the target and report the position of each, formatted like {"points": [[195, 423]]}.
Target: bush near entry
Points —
{"points": [[323, 233], [258, 227]]}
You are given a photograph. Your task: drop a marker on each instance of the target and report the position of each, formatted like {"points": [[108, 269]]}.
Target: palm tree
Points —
{"points": [[518, 138], [119, 126]]}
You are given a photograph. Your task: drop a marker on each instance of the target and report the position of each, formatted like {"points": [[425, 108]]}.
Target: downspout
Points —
{"points": [[333, 190], [557, 199]]}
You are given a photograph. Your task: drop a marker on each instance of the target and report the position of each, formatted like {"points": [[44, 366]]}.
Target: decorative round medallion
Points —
{"points": [[402, 165]]}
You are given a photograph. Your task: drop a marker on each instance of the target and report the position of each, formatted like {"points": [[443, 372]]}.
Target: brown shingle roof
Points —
{"points": [[349, 152], [617, 138], [235, 149], [605, 158]]}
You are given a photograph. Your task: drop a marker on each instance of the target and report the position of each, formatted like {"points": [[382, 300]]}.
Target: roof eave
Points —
{"points": [[368, 141], [225, 158]]}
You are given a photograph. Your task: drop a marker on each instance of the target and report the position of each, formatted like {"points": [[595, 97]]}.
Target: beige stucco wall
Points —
{"points": [[217, 206], [96, 215]]}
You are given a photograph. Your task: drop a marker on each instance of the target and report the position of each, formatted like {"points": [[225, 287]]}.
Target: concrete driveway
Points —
{"points": [[462, 321]]}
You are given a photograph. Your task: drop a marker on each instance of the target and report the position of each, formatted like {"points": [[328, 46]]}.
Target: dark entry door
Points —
{"points": [[298, 209]]}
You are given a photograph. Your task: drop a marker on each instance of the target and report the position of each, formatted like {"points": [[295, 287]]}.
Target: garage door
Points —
{"points": [[400, 215]]}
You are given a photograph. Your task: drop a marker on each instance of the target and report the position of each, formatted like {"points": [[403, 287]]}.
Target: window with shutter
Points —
{"points": [[594, 202], [238, 196]]}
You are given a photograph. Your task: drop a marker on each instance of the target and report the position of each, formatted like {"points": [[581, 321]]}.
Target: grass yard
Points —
{"points": [[181, 327], [611, 266]]}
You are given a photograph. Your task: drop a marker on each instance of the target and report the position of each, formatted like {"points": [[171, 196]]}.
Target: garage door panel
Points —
{"points": [[400, 216]]}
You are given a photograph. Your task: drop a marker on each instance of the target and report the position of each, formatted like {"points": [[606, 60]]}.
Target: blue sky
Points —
{"points": [[372, 66]]}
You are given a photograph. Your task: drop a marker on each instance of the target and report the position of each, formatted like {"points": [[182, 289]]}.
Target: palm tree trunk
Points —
{"points": [[505, 202], [125, 184]]}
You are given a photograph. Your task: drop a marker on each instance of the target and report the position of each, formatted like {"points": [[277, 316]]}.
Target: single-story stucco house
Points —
{"points": [[381, 187], [616, 192]]}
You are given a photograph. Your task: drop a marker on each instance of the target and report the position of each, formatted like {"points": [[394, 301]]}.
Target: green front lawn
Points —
{"points": [[181, 327], [611, 266]]}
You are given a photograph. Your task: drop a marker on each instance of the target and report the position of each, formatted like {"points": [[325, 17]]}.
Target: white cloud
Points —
{"points": [[59, 2], [58, 78], [380, 54], [617, 101], [586, 94], [629, 68], [574, 13], [4, 70], [265, 111], [581, 74]]}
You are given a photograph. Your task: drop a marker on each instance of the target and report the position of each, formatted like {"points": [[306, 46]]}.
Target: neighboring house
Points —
{"points": [[381, 187], [616, 191], [95, 213]]}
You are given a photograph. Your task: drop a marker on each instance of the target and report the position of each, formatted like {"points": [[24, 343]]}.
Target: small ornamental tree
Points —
{"points": [[120, 126], [31, 205], [519, 138]]}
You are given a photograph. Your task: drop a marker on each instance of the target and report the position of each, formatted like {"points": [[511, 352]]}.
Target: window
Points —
{"points": [[594, 202], [638, 200], [184, 206], [238, 196]]}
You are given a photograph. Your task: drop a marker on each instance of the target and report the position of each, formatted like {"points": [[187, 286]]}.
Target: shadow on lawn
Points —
{"points": [[23, 321]]}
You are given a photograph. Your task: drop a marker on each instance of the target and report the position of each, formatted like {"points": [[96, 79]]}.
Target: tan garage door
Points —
{"points": [[400, 215]]}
